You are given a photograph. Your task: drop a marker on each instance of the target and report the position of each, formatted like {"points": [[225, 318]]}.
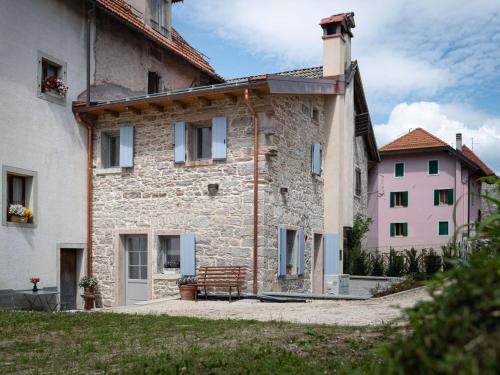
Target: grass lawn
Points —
{"points": [[37, 342]]}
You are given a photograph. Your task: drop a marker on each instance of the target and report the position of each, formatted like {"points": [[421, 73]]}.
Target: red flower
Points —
{"points": [[35, 280]]}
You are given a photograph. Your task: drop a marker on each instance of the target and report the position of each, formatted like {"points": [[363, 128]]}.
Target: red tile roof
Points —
{"points": [[177, 45], [418, 138], [469, 154], [337, 18]]}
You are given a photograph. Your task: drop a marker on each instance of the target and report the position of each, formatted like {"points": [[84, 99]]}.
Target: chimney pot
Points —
{"points": [[459, 142]]}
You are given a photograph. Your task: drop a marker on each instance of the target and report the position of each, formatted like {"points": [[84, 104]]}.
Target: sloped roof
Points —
{"points": [[314, 72], [469, 154], [177, 45], [416, 139]]}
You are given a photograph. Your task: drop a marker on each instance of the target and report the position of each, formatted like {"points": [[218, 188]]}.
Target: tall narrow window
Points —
{"points": [[170, 253], [154, 83], [114, 150], [16, 187], [291, 252], [433, 167], [158, 20], [399, 170], [201, 143], [358, 182]]}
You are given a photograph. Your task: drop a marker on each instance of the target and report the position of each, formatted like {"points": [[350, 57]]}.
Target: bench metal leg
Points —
{"points": [[238, 288], [206, 296], [229, 294]]}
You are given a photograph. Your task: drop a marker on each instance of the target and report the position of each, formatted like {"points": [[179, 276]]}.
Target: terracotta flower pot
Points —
{"points": [[188, 292], [18, 219], [89, 298]]}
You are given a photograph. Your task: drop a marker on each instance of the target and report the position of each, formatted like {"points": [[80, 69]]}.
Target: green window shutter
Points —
{"points": [[436, 197], [392, 199], [443, 228], [433, 167], [449, 196], [393, 230], [399, 169], [405, 229], [405, 199]]}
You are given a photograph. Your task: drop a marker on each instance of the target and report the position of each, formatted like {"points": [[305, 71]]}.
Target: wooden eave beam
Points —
{"points": [[179, 104], [158, 107], [112, 112], [204, 101], [133, 109], [233, 98]]}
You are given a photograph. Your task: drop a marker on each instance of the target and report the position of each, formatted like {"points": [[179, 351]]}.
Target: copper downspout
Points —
{"points": [[87, 125], [255, 185]]}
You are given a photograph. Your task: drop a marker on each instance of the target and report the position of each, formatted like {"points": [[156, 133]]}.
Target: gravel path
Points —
{"points": [[368, 312]]}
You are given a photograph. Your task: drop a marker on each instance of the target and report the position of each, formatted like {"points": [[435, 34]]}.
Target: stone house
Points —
{"points": [[418, 187], [264, 171], [107, 45]]}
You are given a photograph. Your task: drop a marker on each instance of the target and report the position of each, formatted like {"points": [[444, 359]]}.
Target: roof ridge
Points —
{"points": [[409, 134]]}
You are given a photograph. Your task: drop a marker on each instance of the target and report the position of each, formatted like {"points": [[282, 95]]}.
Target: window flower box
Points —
{"points": [[54, 85], [19, 214]]}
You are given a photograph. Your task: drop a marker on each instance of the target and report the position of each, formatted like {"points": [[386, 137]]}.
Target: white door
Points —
{"points": [[136, 269]]}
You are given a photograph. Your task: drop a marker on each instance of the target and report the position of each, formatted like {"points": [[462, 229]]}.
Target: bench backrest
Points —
{"points": [[222, 274]]}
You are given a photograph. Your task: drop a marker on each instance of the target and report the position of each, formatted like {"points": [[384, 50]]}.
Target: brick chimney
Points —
{"points": [[337, 43], [458, 143]]}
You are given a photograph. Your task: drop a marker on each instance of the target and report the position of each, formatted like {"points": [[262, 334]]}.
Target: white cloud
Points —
{"points": [[440, 120]]}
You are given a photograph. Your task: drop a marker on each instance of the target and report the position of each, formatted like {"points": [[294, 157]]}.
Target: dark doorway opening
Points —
{"points": [[68, 279]]}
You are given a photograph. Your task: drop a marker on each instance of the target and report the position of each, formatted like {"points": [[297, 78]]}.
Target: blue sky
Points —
{"points": [[433, 64]]}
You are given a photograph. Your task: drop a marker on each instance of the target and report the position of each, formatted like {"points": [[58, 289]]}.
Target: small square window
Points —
{"points": [[443, 228], [433, 167], [110, 150], [399, 229], [358, 182], [154, 83], [200, 140], [291, 252], [443, 197], [18, 186], [51, 79], [399, 170], [170, 253]]}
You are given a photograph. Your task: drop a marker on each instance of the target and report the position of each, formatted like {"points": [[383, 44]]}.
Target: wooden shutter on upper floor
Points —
{"points": [[436, 197], [219, 137], [449, 196], [180, 142], [405, 229], [405, 199], [393, 229], [392, 194], [127, 146], [188, 254]]}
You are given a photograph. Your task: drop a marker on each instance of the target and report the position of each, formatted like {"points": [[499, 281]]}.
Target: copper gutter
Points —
{"points": [[255, 186], [87, 125]]}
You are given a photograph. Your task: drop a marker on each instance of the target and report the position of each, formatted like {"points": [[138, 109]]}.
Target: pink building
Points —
{"points": [[413, 190]]}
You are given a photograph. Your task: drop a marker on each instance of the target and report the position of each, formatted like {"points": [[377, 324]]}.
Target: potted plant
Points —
{"points": [[55, 85], [187, 288], [19, 214], [88, 284]]}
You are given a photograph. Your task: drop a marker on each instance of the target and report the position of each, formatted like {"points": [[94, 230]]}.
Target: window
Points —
{"points": [[18, 188], [358, 182], [170, 253], [316, 159], [201, 142], [315, 114], [50, 70], [137, 257], [399, 169], [399, 229], [443, 228], [399, 199], [110, 150], [154, 83], [291, 252], [443, 197], [433, 167], [158, 20]]}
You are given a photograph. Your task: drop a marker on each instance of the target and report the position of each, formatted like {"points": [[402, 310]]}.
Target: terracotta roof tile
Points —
{"points": [[338, 18], [418, 138], [177, 45], [314, 72], [469, 154]]}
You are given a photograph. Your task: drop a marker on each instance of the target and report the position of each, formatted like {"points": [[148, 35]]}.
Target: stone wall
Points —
{"points": [[157, 194], [361, 161]]}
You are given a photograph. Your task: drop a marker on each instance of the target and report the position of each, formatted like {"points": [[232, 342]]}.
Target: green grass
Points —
{"points": [[36, 342]]}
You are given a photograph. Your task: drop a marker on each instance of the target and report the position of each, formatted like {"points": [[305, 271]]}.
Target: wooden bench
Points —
{"points": [[222, 277]]}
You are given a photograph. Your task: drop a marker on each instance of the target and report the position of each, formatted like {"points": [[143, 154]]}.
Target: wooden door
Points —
{"points": [[68, 279]]}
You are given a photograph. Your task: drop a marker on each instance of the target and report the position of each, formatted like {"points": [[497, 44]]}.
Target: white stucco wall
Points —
{"points": [[42, 136]]}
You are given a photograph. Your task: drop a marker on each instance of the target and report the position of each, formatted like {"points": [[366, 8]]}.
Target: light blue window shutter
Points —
{"points": [[331, 253], [219, 133], [281, 251], [301, 244], [127, 146], [188, 255], [180, 142], [316, 159]]}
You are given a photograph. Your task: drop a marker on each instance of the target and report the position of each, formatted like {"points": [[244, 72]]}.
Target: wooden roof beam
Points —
{"points": [[179, 104], [158, 107], [112, 113], [233, 98], [135, 110], [204, 101]]}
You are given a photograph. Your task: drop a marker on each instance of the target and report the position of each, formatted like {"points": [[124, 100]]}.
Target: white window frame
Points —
{"points": [[62, 73], [30, 195]]}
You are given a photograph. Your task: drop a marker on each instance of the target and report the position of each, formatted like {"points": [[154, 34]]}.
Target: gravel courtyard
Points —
{"points": [[367, 312]]}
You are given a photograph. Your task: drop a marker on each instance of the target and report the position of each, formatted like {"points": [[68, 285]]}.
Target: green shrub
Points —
{"points": [[412, 261], [450, 256], [354, 237], [377, 261], [396, 264], [432, 262], [361, 263]]}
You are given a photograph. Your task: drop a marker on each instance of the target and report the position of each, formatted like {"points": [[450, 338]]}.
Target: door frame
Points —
{"points": [[313, 260], [119, 248], [81, 267]]}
